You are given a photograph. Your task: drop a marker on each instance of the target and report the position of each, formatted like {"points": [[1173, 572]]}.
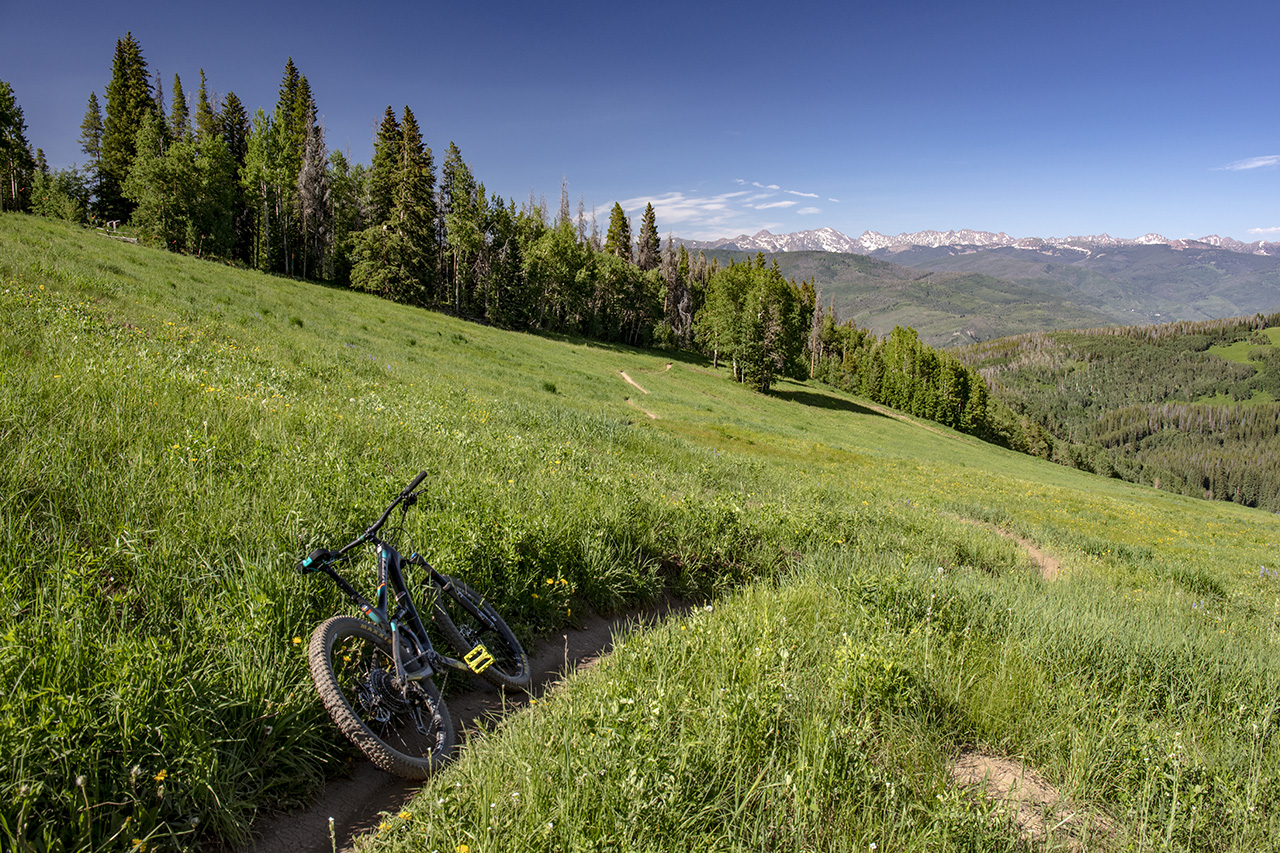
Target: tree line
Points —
{"points": [[199, 175]]}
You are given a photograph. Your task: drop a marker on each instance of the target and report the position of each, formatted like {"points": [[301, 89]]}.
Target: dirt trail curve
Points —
{"points": [[1048, 564], [631, 381], [356, 802]]}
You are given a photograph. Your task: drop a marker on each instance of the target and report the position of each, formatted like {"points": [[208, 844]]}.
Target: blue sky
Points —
{"points": [[1033, 119]]}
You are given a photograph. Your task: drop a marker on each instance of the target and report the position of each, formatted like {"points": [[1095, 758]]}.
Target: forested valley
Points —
{"points": [[1190, 407]]}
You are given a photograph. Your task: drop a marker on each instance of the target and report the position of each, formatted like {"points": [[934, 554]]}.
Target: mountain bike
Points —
{"points": [[375, 674]]}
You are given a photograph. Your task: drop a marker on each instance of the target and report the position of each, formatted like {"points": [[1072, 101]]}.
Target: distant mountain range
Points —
{"points": [[958, 287], [883, 246]]}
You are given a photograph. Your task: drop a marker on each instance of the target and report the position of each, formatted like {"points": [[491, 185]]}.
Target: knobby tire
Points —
{"points": [[408, 734]]}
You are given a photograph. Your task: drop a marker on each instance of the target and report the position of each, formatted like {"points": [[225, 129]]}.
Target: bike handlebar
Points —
{"points": [[408, 491], [320, 558]]}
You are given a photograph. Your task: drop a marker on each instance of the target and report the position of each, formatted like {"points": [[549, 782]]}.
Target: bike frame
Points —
{"points": [[412, 651]]}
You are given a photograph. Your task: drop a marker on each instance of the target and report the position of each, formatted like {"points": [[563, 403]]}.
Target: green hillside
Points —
{"points": [[880, 599]]}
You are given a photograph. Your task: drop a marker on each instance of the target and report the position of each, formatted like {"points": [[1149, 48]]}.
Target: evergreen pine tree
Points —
{"points": [[129, 100], [207, 124], [233, 124], [618, 240], [649, 246], [382, 172], [16, 161], [293, 107], [463, 234], [179, 118], [91, 145], [397, 257], [414, 211]]}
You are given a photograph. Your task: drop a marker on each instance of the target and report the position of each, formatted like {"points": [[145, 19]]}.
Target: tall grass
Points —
{"points": [[173, 434], [820, 713]]}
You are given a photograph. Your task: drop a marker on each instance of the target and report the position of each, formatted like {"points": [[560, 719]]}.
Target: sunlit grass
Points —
{"points": [[173, 434]]}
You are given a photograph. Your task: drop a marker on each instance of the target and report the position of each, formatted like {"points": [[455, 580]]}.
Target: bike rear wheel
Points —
{"points": [[467, 634], [406, 732]]}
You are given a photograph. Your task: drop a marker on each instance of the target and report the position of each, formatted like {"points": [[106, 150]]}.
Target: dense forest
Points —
{"points": [[201, 176], [1192, 407]]}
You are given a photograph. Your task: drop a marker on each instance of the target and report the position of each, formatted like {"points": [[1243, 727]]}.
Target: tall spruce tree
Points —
{"points": [[618, 239], [382, 172], [129, 100], [207, 123], [180, 116], [648, 246], [17, 164], [91, 145], [398, 257], [233, 124], [313, 201], [414, 210], [463, 231]]}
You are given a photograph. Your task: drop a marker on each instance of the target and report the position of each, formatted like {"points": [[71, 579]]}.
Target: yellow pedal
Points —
{"points": [[478, 659]]}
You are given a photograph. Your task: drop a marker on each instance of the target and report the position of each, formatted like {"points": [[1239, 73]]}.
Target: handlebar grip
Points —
{"points": [[314, 561], [422, 475]]}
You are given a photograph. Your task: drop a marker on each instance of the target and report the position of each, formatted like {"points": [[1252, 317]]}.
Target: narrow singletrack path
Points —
{"points": [[632, 381], [1048, 564], [356, 802]]}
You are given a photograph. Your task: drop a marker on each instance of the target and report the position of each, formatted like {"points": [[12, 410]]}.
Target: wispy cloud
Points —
{"points": [[1261, 231], [701, 217], [1251, 163], [727, 214], [774, 188]]}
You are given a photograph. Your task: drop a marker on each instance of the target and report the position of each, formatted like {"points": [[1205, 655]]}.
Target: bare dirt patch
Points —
{"points": [[1035, 807], [357, 802]]}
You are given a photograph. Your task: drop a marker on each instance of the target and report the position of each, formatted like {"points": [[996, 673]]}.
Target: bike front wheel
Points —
{"points": [[404, 729], [478, 639]]}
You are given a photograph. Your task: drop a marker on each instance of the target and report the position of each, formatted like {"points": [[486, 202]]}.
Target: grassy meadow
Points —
{"points": [[174, 433]]}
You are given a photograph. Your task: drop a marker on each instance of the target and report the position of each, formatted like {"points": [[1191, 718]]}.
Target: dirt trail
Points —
{"points": [[632, 381], [356, 803], [651, 415], [1048, 564]]}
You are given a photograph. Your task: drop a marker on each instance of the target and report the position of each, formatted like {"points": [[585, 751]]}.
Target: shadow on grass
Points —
{"points": [[824, 401]]}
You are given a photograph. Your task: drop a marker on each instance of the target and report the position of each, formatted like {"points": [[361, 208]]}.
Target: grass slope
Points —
{"points": [[174, 433]]}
